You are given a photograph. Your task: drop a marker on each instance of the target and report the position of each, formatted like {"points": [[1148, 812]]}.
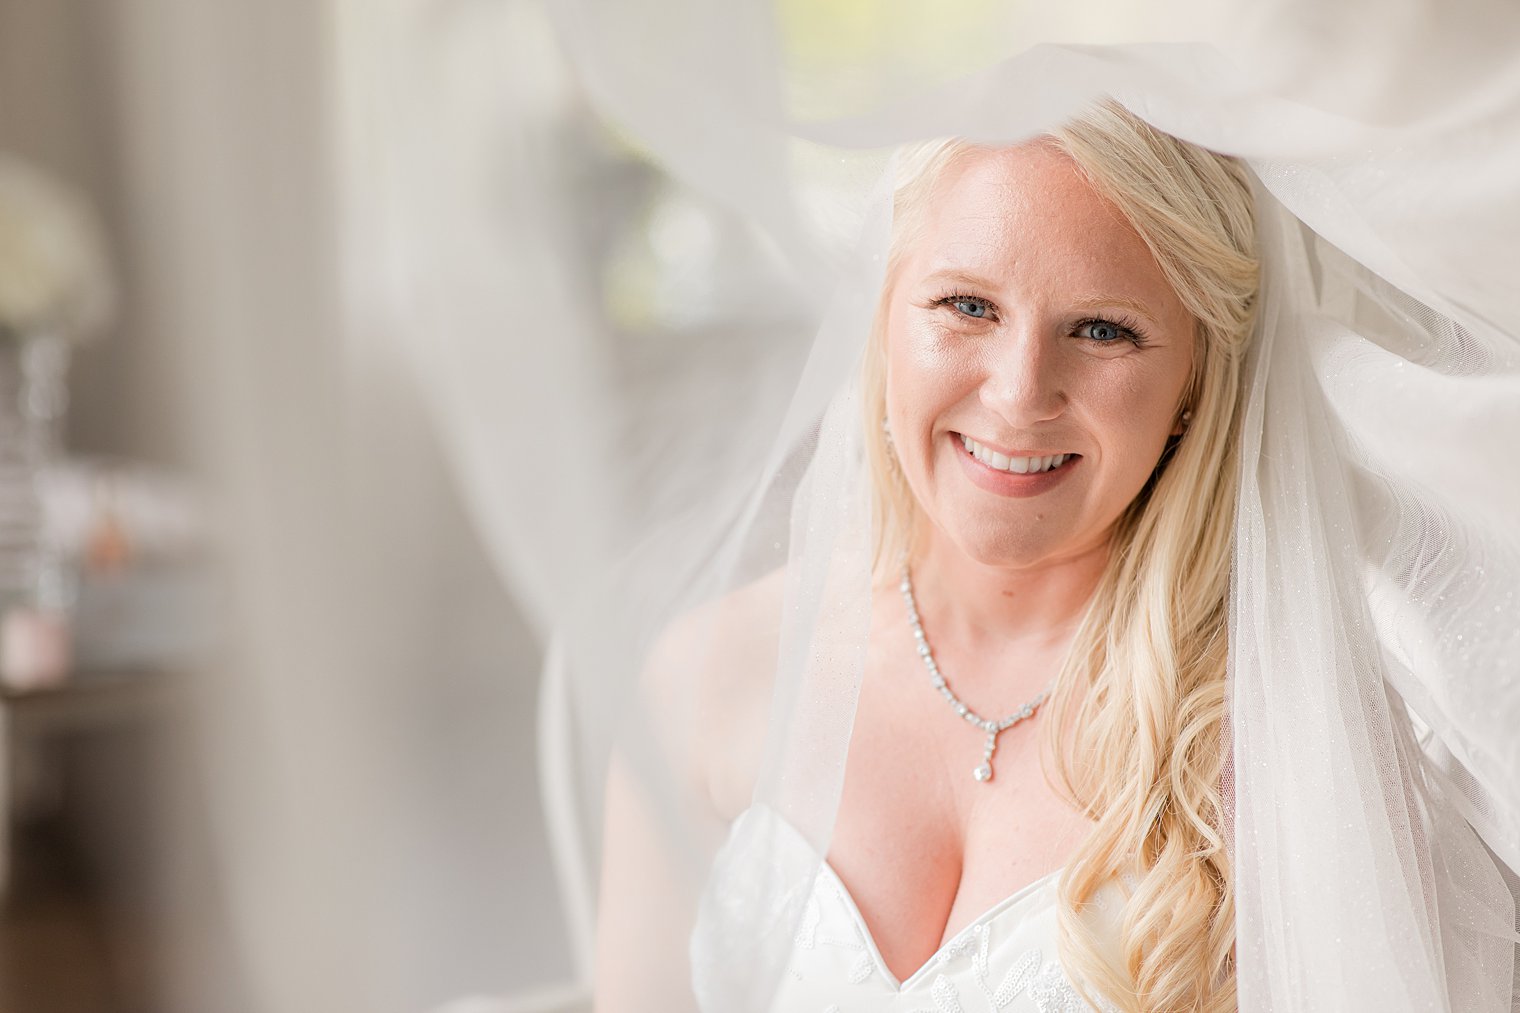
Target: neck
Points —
{"points": [[990, 608]]}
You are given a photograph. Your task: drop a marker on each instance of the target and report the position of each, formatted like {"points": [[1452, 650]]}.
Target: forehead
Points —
{"points": [[1026, 216]]}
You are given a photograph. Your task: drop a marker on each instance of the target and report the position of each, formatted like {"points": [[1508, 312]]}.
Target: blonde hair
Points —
{"points": [[1142, 692]]}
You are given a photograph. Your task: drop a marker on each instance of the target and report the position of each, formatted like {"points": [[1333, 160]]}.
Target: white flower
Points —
{"points": [[53, 271]]}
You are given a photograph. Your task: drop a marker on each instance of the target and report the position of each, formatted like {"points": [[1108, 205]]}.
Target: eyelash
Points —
{"points": [[1128, 329], [954, 297]]}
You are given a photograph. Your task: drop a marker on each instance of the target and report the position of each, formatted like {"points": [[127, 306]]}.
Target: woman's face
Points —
{"points": [[1030, 319]]}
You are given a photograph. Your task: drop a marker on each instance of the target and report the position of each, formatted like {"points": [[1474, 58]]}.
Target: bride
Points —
{"points": [[1031, 806], [1121, 617]]}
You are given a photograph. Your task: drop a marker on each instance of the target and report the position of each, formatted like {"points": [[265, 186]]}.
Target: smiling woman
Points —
{"points": [[1056, 366], [1001, 718], [1049, 398]]}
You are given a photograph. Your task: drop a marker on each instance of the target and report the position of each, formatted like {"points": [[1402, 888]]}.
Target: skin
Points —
{"points": [[1001, 582], [1048, 253]]}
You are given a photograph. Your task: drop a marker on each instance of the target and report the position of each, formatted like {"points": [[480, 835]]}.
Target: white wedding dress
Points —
{"points": [[1005, 960]]}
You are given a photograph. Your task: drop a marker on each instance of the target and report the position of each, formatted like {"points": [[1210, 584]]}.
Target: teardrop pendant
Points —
{"points": [[982, 773]]}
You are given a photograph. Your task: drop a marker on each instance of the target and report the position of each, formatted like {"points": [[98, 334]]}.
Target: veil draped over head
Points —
{"points": [[669, 470]]}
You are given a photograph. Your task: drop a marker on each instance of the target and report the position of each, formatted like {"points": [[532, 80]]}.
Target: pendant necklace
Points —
{"points": [[993, 728]]}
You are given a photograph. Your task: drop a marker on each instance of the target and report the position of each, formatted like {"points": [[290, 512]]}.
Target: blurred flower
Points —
{"points": [[54, 275]]}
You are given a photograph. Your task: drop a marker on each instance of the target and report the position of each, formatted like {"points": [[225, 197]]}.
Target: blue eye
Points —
{"points": [[970, 306], [1106, 332]]}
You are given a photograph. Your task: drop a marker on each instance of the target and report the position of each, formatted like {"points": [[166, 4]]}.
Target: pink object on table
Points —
{"points": [[35, 648]]}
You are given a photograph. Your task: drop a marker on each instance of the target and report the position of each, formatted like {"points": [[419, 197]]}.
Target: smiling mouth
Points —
{"points": [[1015, 465]]}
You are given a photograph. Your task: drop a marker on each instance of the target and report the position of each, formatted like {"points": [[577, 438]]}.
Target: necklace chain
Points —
{"points": [[992, 728]]}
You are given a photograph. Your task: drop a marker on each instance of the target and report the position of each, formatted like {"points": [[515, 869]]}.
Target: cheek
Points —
{"points": [[927, 363], [918, 349], [1134, 415]]}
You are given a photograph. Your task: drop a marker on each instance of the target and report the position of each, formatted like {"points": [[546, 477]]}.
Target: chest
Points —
{"points": [[924, 848]]}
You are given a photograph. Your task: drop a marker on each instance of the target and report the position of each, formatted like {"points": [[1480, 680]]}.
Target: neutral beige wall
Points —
{"points": [[50, 95], [61, 108]]}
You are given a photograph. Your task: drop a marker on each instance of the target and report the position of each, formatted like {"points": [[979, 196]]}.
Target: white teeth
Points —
{"points": [[1017, 465]]}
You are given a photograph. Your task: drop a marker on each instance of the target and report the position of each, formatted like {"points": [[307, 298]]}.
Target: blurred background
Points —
{"points": [[269, 658], [178, 830]]}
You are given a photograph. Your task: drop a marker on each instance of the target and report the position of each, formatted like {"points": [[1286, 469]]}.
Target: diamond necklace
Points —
{"points": [[992, 728]]}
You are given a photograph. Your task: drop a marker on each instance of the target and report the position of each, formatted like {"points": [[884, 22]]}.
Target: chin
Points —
{"points": [[1014, 549]]}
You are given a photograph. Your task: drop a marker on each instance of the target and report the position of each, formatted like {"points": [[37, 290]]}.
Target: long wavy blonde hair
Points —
{"points": [[1141, 696]]}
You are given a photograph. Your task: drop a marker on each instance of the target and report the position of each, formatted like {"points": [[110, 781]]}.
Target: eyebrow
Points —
{"points": [[964, 277], [1082, 305], [1134, 306]]}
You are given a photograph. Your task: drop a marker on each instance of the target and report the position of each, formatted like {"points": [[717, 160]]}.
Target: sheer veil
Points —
{"points": [[690, 515]]}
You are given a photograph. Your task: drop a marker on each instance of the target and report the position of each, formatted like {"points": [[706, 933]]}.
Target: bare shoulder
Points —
{"points": [[745, 620], [710, 671]]}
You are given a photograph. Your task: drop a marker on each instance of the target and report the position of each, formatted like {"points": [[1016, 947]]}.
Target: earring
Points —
{"points": [[1181, 428]]}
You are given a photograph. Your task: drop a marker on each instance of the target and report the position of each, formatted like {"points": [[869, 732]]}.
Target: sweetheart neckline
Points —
{"points": [[853, 909]]}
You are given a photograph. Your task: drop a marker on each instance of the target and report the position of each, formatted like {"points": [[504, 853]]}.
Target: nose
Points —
{"points": [[1024, 381]]}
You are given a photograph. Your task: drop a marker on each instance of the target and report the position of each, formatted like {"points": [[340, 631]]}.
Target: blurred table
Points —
{"points": [[86, 701]]}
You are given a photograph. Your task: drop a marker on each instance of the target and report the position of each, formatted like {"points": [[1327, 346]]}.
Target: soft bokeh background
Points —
{"points": [[222, 146], [324, 793]]}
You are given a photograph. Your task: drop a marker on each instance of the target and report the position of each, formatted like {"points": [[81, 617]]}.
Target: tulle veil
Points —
{"points": [[1374, 620]]}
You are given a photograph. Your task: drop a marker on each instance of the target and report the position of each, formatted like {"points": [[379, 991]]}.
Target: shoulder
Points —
{"points": [[722, 640], [709, 674]]}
